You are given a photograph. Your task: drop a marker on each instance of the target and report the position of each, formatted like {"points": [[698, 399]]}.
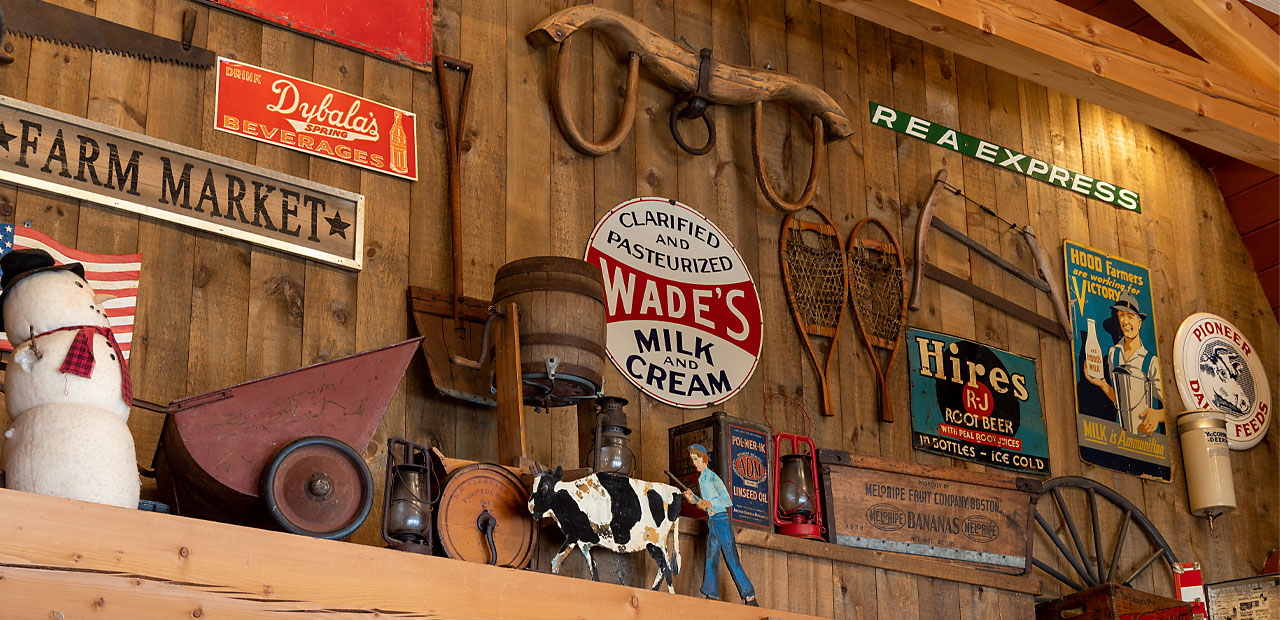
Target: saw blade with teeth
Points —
{"points": [[42, 21]]}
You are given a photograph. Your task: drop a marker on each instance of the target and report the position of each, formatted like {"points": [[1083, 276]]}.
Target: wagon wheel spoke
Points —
{"points": [[1145, 565], [1055, 574], [1148, 544], [1115, 553], [1097, 533], [1092, 578], [1066, 553]]}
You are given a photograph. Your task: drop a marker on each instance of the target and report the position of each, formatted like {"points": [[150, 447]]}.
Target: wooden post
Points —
{"points": [[586, 430], [506, 350]]}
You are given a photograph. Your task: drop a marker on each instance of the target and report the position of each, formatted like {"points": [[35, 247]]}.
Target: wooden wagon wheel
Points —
{"points": [[318, 486], [1100, 568]]}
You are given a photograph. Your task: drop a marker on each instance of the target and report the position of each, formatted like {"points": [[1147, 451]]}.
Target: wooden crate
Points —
{"points": [[1111, 601], [958, 516]]}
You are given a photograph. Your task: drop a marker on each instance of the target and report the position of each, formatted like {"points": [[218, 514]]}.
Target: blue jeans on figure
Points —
{"points": [[720, 543]]}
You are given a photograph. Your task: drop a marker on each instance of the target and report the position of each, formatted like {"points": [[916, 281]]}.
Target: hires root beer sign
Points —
{"points": [[684, 317], [273, 107], [974, 402]]}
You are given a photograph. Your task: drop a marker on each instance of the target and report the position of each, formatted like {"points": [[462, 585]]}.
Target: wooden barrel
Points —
{"points": [[562, 326]]}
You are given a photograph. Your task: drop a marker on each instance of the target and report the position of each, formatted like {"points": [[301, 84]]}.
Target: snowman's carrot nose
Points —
{"points": [[101, 298]]}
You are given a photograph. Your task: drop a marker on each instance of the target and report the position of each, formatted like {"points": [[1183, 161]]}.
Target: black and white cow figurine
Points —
{"points": [[615, 512]]}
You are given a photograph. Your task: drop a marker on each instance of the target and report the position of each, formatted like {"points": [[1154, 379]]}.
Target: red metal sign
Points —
{"points": [[398, 30], [684, 316], [273, 107]]}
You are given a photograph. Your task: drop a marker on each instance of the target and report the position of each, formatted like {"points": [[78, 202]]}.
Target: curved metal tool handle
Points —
{"points": [[762, 178], [564, 116], [1055, 286], [458, 360], [453, 131], [677, 67], [486, 523], [922, 233]]}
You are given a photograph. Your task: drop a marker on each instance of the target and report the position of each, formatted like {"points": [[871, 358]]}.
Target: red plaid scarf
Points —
{"points": [[80, 362]]}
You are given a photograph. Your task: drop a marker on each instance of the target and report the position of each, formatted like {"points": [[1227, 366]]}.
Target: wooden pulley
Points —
{"points": [[484, 517]]}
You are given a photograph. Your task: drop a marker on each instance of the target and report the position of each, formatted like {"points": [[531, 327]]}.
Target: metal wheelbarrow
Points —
{"points": [[281, 452]]}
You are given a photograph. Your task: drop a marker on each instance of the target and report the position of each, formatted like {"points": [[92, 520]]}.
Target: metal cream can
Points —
{"points": [[1206, 458]]}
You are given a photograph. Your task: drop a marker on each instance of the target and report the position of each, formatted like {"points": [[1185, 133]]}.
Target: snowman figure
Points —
{"points": [[67, 389]]}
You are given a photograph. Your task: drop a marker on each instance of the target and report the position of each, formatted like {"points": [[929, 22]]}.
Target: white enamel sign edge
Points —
{"points": [[1245, 430], [713, 349]]}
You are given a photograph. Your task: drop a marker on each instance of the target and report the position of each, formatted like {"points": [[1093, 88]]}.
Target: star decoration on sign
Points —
{"points": [[337, 226], [5, 137]]}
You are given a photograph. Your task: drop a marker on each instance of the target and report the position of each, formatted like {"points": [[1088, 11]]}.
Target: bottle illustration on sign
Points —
{"points": [[399, 146], [1092, 353]]}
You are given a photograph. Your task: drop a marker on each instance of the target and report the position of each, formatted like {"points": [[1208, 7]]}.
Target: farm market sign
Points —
{"points": [[684, 317], [304, 116], [1003, 157], [54, 152]]}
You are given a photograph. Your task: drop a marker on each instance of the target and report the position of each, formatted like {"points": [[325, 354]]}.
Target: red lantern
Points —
{"points": [[797, 505]]}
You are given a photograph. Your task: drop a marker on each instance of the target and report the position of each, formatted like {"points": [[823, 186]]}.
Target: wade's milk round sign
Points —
{"points": [[684, 316], [1217, 368]]}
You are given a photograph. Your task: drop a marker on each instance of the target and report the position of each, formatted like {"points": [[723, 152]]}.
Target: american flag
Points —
{"points": [[109, 274]]}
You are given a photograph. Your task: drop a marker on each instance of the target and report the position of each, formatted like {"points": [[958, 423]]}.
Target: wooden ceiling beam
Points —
{"points": [[1069, 51], [1225, 34]]}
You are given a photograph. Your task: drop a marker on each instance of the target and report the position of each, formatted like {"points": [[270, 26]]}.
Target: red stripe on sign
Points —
{"points": [[728, 311], [76, 256], [110, 276]]}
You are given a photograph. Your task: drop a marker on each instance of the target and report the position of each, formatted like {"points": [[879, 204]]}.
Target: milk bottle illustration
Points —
{"points": [[1092, 353]]}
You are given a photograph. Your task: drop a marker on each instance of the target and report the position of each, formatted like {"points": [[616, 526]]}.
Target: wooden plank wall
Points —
{"points": [[214, 312]]}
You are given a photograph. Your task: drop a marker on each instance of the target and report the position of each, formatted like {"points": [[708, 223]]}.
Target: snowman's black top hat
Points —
{"points": [[19, 264]]}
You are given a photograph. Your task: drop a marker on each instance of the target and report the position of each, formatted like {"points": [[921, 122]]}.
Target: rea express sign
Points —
{"points": [[684, 317], [304, 116]]}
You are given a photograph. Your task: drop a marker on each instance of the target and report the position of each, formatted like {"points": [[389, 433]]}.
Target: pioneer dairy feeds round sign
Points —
{"points": [[684, 316], [1217, 368]]}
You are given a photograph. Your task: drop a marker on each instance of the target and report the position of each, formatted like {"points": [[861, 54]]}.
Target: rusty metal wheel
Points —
{"points": [[318, 486], [1131, 553]]}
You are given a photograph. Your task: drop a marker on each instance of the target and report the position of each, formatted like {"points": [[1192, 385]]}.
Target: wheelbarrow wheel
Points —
{"points": [[318, 486]]}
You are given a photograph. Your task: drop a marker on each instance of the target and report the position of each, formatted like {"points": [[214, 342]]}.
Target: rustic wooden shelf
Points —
{"points": [[916, 565], [89, 560]]}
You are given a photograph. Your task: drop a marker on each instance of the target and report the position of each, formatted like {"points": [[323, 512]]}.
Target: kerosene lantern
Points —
{"points": [[798, 508], [406, 506], [610, 448]]}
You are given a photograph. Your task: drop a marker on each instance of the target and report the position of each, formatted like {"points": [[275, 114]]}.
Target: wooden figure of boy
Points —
{"points": [[715, 501]]}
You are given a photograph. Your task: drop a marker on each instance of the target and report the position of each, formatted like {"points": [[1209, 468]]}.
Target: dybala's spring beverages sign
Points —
{"points": [[684, 317], [304, 116], [977, 403]]}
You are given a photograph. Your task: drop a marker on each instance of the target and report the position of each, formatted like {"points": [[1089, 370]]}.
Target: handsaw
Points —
{"points": [[1046, 281], [50, 22]]}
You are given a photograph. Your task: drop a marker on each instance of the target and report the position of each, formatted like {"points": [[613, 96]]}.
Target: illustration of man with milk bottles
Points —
{"points": [[1131, 377]]}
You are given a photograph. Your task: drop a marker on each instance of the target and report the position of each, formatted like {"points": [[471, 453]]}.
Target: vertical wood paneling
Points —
{"points": [[529, 222], [845, 204], [214, 312], [383, 315], [277, 282], [431, 418], [483, 42]]}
